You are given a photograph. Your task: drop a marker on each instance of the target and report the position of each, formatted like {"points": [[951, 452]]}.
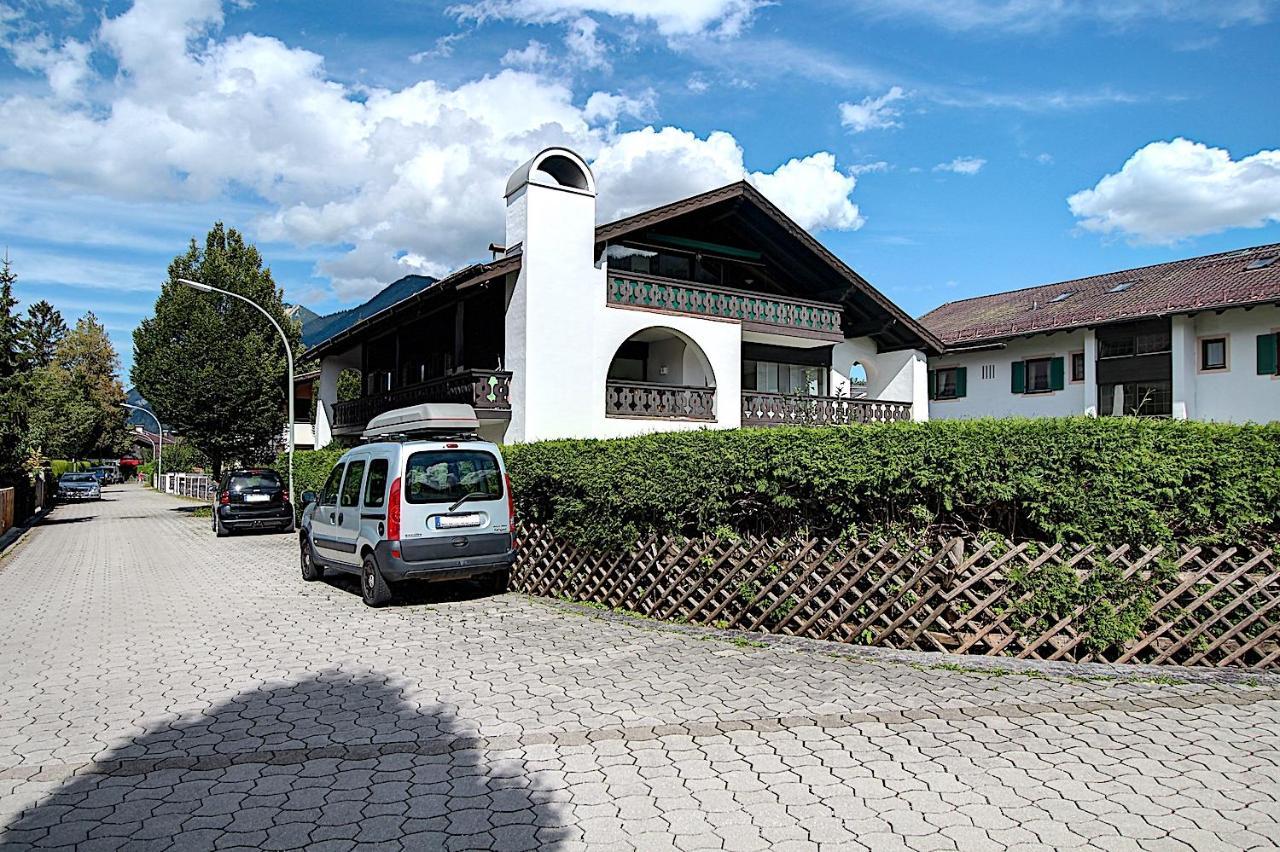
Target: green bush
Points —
{"points": [[1109, 480]]}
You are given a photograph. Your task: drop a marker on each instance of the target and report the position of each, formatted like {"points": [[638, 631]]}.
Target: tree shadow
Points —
{"points": [[334, 757], [48, 521]]}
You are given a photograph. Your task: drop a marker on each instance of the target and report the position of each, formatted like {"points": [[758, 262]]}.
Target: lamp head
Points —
{"points": [[196, 285]]}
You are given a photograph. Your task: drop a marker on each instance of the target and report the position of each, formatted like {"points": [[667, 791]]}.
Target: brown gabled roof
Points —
{"points": [[1182, 286], [743, 191]]}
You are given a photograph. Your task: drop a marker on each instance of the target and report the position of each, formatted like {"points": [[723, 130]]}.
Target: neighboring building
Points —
{"points": [[1195, 339], [715, 311]]}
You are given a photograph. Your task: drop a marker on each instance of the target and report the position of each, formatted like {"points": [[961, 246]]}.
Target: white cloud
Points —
{"points": [[1021, 16], [872, 113], [378, 181], [865, 168], [532, 55], [813, 192], [649, 167], [697, 84], [1169, 191], [672, 18], [584, 45], [608, 107], [962, 166]]}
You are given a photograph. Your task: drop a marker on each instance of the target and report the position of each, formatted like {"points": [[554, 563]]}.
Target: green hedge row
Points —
{"points": [[1109, 481], [1071, 479]]}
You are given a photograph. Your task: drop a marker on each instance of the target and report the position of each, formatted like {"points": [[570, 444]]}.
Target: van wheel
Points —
{"points": [[373, 589], [311, 570], [500, 581]]}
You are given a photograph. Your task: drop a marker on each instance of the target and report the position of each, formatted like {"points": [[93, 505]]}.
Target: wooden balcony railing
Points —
{"points": [[650, 400], [488, 391], [799, 317], [775, 409]]}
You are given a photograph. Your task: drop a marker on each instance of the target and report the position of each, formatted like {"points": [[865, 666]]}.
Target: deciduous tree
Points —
{"points": [[89, 359], [212, 367]]}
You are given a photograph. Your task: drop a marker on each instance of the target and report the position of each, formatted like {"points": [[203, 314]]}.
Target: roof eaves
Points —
{"points": [[476, 273]]}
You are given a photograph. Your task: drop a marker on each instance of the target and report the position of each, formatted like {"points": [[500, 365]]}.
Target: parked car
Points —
{"points": [[430, 501], [251, 498], [79, 486]]}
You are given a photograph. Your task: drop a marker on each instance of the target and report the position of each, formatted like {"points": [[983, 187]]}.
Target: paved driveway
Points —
{"points": [[161, 687]]}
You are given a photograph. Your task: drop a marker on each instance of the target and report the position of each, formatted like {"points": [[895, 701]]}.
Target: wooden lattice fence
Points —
{"points": [[960, 596]]}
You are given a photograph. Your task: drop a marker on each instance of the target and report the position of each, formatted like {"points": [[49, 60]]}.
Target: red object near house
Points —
{"points": [[128, 468]]}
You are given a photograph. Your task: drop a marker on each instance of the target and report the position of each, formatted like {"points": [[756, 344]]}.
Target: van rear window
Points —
{"points": [[445, 476]]}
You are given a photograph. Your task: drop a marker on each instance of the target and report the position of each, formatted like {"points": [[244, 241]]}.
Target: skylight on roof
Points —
{"points": [[1260, 262], [1121, 287], [1062, 297]]}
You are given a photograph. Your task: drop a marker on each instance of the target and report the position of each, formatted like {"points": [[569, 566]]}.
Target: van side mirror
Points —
{"points": [[308, 497]]}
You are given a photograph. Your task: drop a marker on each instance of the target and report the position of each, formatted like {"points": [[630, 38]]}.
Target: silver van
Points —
{"points": [[425, 499]]}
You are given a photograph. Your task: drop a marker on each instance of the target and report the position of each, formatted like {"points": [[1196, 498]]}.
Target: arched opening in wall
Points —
{"points": [[857, 380], [565, 171], [660, 373]]}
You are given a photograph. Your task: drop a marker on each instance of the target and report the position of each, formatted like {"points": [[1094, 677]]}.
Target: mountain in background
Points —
{"points": [[321, 328], [137, 418], [301, 314]]}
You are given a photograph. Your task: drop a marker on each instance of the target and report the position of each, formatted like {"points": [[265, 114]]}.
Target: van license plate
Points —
{"points": [[256, 498], [453, 522]]}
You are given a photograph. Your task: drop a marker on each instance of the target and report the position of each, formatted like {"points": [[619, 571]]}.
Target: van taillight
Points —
{"points": [[393, 511], [511, 505], [225, 499]]}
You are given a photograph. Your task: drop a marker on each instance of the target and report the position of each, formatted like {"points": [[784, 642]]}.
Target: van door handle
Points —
{"points": [[339, 519], [331, 517]]}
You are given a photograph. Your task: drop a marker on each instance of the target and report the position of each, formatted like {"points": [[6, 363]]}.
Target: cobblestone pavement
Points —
{"points": [[163, 688]]}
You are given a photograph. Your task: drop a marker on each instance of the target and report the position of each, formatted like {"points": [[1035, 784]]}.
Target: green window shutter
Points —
{"points": [[933, 384], [1057, 377], [961, 383], [1018, 382], [1267, 354]]}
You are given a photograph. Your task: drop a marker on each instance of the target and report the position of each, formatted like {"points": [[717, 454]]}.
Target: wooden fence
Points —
{"points": [[7, 508], [960, 596]]}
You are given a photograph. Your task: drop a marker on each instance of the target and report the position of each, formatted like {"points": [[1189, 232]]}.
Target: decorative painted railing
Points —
{"points": [[647, 399], [794, 316], [485, 390], [775, 409]]}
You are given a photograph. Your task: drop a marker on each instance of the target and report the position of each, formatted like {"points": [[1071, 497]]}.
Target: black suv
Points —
{"points": [[253, 498]]}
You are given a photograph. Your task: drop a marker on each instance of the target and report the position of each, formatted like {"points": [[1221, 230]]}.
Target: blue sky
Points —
{"points": [[944, 148]]}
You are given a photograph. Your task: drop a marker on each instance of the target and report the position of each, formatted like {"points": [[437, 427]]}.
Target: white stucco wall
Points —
{"points": [[992, 398], [326, 390], [1237, 394], [895, 376]]}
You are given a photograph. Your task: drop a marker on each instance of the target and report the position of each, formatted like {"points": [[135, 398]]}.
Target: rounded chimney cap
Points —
{"points": [[555, 167]]}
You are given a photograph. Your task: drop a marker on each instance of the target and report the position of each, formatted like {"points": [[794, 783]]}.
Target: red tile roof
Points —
{"points": [[1182, 286]]}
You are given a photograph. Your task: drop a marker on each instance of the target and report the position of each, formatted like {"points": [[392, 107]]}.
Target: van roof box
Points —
{"points": [[428, 418]]}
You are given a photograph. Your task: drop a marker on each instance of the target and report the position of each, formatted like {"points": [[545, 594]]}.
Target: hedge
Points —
{"points": [[1108, 481]]}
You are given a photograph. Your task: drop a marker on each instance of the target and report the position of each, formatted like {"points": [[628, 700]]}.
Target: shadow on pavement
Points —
{"points": [[48, 521], [415, 592], [335, 757]]}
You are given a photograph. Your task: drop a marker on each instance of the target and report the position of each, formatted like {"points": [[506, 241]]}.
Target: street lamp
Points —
{"points": [[160, 433], [288, 351]]}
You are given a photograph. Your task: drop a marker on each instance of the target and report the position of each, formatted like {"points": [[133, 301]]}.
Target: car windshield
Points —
{"points": [[256, 479], [444, 476], [77, 477]]}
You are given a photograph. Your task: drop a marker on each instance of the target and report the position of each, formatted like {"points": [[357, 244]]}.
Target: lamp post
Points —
{"points": [[288, 351], [160, 433]]}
